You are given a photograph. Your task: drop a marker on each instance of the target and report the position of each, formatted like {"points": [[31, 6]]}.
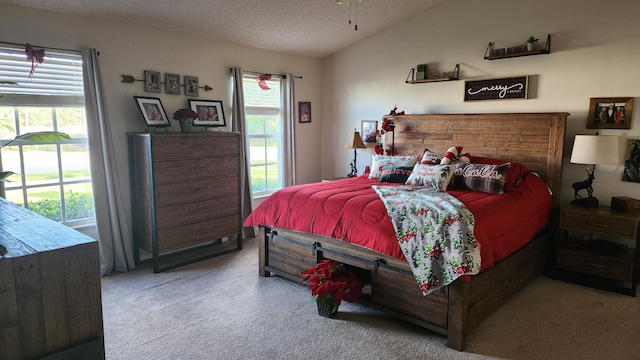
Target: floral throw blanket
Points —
{"points": [[435, 233]]}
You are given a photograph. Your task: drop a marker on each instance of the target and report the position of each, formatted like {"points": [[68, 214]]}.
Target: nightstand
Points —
{"points": [[599, 248]]}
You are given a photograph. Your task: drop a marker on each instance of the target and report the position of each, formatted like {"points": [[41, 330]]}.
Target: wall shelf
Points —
{"points": [[454, 76], [490, 53]]}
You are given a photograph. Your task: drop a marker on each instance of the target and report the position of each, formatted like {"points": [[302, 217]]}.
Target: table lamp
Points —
{"points": [[592, 150], [355, 143]]}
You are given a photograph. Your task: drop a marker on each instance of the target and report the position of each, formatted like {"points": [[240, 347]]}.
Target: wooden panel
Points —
{"points": [[619, 268], [175, 215], [39, 315], [193, 145], [290, 257], [211, 167], [197, 233], [399, 292], [183, 192]]}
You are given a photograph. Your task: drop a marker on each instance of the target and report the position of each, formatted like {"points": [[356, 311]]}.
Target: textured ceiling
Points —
{"points": [[305, 27]]}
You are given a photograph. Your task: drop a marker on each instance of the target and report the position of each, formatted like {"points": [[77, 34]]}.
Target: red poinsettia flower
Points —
{"points": [[330, 283], [184, 114]]}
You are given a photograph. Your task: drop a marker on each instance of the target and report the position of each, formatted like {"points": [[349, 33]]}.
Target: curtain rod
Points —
{"points": [[37, 46], [258, 74]]}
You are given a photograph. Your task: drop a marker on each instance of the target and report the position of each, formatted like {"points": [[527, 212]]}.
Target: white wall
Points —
{"points": [[595, 47], [130, 50]]}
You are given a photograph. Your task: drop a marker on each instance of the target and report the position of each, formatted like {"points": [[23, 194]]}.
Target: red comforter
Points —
{"points": [[350, 210]]}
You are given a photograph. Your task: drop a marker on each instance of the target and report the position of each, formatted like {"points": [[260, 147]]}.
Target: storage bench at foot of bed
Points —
{"points": [[392, 287], [454, 310]]}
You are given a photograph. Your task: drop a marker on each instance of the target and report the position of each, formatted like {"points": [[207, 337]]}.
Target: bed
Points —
{"points": [[534, 140]]}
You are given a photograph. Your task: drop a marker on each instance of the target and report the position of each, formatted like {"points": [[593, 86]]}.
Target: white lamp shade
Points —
{"points": [[595, 149]]}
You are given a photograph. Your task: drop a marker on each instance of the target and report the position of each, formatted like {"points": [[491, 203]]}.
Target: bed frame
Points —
{"points": [[534, 139]]}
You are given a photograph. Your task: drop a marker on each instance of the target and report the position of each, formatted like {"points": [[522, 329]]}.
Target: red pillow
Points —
{"points": [[517, 172]]}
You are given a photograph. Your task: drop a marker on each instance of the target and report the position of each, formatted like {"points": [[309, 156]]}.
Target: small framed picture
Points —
{"points": [[210, 113], [368, 131], [304, 112], [172, 83], [152, 81], [191, 85], [610, 113], [152, 111]]}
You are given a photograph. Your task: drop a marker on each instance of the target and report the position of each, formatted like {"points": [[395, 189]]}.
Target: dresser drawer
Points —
{"points": [[180, 147], [189, 191], [619, 268], [197, 233], [191, 169], [181, 214], [598, 224]]}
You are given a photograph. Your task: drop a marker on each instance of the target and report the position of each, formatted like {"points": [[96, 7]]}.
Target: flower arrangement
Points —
{"points": [[184, 114], [330, 282]]}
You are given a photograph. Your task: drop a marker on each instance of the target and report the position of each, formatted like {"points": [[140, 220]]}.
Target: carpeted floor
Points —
{"points": [[221, 309]]}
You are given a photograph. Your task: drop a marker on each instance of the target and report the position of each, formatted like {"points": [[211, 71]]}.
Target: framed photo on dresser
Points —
{"points": [[210, 113], [152, 111]]}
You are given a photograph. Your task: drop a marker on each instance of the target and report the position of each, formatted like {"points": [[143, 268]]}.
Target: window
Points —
{"points": [[263, 111], [53, 179]]}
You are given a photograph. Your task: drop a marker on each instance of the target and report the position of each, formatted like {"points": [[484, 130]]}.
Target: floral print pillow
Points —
{"points": [[436, 177]]}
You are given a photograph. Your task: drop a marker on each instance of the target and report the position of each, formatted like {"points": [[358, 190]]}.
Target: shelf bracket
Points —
{"points": [[456, 73], [410, 75]]}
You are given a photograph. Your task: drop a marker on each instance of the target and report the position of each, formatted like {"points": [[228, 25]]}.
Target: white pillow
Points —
{"points": [[380, 161], [436, 177]]}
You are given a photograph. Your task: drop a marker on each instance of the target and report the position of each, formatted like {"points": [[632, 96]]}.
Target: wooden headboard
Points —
{"points": [[533, 139]]}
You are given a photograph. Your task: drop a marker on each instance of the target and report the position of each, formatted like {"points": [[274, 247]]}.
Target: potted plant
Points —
{"points": [[185, 117], [331, 282], [531, 41]]}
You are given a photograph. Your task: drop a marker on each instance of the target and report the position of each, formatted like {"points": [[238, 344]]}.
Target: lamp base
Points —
{"points": [[586, 202]]}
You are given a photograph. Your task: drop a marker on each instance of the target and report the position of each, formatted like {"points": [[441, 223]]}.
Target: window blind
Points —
{"points": [[59, 74]]}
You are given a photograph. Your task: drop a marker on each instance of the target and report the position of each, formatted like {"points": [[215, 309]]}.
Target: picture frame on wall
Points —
{"points": [[152, 111], [172, 83], [304, 112], [191, 85], [368, 130], [610, 113], [152, 81], [210, 113]]}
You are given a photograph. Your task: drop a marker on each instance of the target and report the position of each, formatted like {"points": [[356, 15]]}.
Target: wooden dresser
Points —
{"points": [[50, 295], [185, 196]]}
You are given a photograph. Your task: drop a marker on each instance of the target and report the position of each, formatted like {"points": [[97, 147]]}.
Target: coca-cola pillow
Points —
{"points": [[481, 177]]}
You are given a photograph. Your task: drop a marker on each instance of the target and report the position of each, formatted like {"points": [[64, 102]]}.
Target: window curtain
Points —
{"points": [[289, 122], [114, 234], [238, 124]]}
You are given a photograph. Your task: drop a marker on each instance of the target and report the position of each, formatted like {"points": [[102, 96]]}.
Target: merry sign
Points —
{"points": [[496, 89]]}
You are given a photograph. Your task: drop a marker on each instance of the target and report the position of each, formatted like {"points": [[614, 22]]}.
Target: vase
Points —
{"points": [[185, 125], [530, 46], [328, 309]]}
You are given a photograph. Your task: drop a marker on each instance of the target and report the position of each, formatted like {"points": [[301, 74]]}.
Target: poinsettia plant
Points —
{"points": [[184, 114], [331, 282]]}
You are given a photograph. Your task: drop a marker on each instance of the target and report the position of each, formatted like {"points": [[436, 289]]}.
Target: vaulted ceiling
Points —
{"points": [[306, 27]]}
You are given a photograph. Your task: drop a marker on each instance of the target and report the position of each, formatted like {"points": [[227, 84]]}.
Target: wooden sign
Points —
{"points": [[496, 89]]}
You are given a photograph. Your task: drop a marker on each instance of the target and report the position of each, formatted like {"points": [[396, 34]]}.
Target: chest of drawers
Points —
{"points": [[185, 195]]}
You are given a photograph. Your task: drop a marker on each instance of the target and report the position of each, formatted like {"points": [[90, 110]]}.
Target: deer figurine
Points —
{"points": [[585, 184]]}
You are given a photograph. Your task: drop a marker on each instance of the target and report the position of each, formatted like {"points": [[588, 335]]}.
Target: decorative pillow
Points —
{"points": [[395, 174], [454, 155], [380, 161], [429, 157], [436, 177], [482, 177], [517, 171]]}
